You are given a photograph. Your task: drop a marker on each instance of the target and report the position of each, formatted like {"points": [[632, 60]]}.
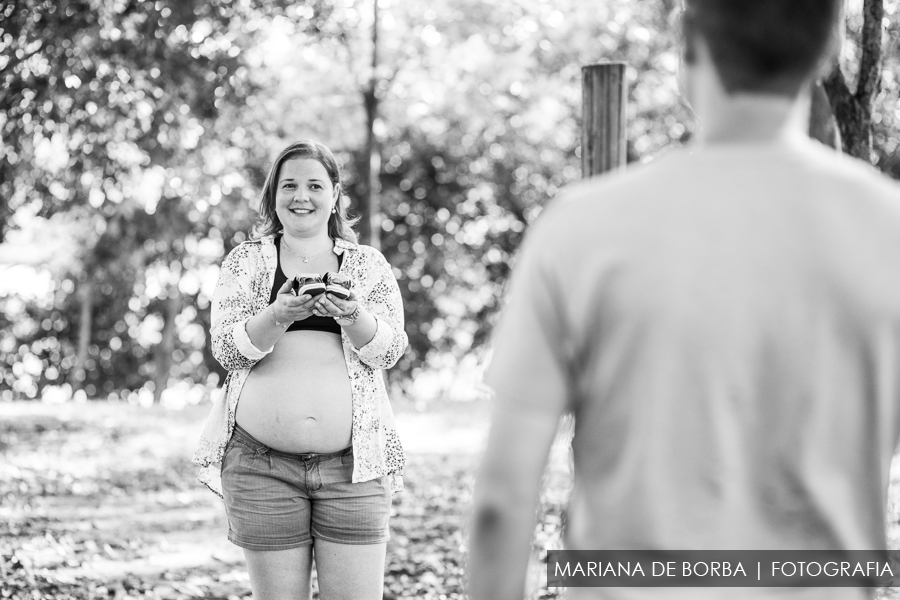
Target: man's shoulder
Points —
{"points": [[585, 202], [854, 170], [856, 187]]}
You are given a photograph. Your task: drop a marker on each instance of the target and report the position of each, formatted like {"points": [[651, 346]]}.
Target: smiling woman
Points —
{"points": [[304, 199], [303, 449]]}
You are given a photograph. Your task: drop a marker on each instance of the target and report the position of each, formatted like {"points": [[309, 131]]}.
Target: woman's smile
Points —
{"points": [[301, 211], [304, 197]]}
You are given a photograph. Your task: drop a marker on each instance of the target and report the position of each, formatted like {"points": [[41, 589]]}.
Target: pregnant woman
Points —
{"points": [[303, 449]]}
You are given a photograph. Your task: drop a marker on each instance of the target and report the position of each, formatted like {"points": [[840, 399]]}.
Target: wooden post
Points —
{"points": [[603, 120], [602, 149]]}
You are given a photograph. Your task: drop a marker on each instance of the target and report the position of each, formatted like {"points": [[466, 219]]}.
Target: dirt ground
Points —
{"points": [[100, 500]]}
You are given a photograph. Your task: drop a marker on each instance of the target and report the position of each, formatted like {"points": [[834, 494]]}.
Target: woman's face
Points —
{"points": [[304, 196]]}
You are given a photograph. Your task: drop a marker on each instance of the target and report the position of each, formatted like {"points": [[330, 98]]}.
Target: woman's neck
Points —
{"points": [[307, 245]]}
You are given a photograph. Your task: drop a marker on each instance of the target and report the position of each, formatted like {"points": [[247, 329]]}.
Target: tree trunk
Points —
{"points": [[822, 125], [853, 109], [85, 328], [167, 345], [370, 165], [6, 178]]}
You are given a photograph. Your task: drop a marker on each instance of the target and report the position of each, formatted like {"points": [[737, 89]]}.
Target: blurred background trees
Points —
{"points": [[136, 134]]}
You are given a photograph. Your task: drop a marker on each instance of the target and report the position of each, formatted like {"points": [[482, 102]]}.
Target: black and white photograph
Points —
{"points": [[469, 300]]}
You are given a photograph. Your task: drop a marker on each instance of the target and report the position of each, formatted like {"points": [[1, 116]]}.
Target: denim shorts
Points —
{"points": [[276, 500]]}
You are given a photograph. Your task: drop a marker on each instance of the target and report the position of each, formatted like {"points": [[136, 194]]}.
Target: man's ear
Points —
{"points": [[836, 41], [689, 36]]}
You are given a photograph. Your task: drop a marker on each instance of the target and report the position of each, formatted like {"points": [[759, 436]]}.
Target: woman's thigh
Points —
{"points": [[280, 574], [350, 571], [350, 531], [344, 512], [265, 502]]}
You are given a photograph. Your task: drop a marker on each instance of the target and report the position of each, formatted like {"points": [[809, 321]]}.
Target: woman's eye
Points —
{"points": [[315, 186], [288, 186]]}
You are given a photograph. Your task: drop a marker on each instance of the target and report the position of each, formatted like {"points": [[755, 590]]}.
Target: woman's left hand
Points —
{"points": [[329, 305]]}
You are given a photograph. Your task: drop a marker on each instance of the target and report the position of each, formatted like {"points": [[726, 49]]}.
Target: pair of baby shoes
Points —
{"points": [[313, 285]]}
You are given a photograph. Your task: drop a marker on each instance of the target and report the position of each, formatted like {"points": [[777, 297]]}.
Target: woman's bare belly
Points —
{"points": [[297, 399]]}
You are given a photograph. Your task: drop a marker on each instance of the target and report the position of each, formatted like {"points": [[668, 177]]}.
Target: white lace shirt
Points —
{"points": [[243, 290]]}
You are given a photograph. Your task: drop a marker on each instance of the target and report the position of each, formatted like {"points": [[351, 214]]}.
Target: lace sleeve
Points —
{"points": [[386, 305], [232, 306]]}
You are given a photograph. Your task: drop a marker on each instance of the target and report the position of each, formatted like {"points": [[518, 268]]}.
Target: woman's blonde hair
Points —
{"points": [[340, 224]]}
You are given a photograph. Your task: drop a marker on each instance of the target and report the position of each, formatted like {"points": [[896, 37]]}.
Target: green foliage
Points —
{"points": [[104, 110], [95, 92], [886, 114], [479, 127], [136, 136]]}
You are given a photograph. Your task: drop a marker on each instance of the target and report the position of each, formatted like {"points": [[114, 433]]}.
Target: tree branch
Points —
{"points": [[835, 84], [846, 108], [871, 47]]}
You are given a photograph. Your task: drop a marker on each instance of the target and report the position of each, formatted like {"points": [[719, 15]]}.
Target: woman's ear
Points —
{"points": [[337, 197]]}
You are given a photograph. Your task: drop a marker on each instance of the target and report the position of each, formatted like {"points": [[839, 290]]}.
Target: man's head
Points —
{"points": [[762, 46]]}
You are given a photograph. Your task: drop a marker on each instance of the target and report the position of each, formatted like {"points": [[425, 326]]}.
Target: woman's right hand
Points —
{"points": [[288, 308]]}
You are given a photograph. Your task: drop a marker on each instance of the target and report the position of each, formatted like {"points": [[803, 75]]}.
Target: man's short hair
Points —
{"points": [[763, 46]]}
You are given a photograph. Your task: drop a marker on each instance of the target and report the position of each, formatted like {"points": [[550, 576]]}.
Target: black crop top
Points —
{"points": [[312, 322]]}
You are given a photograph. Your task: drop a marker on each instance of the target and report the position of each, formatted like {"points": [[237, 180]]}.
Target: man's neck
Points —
{"points": [[741, 118], [753, 118]]}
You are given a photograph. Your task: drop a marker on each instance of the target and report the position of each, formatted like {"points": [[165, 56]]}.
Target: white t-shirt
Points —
{"points": [[725, 324]]}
